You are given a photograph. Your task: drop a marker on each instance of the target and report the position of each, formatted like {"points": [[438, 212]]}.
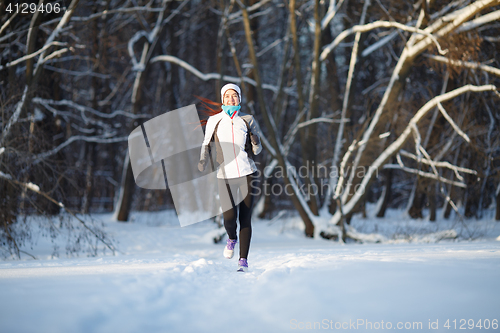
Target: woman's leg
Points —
{"points": [[228, 207], [245, 216]]}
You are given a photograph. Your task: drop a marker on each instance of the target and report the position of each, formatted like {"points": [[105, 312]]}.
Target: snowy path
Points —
{"points": [[177, 281]]}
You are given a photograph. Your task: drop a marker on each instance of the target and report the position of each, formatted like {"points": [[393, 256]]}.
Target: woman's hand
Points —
{"points": [[201, 165]]}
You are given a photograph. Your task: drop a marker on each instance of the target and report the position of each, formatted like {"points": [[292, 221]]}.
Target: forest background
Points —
{"points": [[398, 97]]}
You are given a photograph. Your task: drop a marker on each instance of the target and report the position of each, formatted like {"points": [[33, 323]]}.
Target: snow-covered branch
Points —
{"points": [[151, 36], [452, 123], [175, 12], [298, 194], [413, 48], [321, 120], [333, 8], [114, 11], [445, 164], [375, 46], [421, 173], [88, 73], [83, 108], [375, 25], [41, 60], [466, 64], [339, 141], [340, 183], [292, 131], [15, 116], [290, 136], [67, 15], [209, 76], [399, 142], [6, 24], [252, 8], [97, 139], [482, 20], [451, 22]]}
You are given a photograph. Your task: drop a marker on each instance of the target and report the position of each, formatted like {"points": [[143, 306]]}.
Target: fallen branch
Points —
{"points": [[36, 189]]}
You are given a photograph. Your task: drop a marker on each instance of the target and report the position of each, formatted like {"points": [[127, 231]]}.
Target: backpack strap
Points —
{"points": [[248, 126]]}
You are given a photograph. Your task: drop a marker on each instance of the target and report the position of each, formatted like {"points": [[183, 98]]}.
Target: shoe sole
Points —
{"points": [[242, 269], [227, 254]]}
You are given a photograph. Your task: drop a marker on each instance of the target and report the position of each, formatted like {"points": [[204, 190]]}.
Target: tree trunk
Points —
{"points": [[348, 95], [448, 208], [127, 189], [416, 45], [310, 149], [471, 199], [90, 147], [128, 182], [88, 194], [417, 206], [497, 214], [8, 202], [308, 146], [266, 196], [220, 52], [387, 193], [431, 195], [395, 146], [274, 140], [30, 45]]}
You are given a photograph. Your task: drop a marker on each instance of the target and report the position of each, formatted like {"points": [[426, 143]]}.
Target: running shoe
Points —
{"points": [[229, 249], [242, 265]]}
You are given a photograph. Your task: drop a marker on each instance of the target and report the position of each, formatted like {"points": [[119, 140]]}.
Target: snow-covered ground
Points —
{"points": [[171, 279]]}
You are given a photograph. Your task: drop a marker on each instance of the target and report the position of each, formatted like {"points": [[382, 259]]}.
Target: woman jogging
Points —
{"points": [[236, 136]]}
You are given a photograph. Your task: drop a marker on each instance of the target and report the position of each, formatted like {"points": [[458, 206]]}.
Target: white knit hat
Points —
{"points": [[228, 87]]}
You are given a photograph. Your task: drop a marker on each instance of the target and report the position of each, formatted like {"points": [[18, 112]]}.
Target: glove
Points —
{"points": [[256, 146], [201, 165], [254, 139], [203, 158]]}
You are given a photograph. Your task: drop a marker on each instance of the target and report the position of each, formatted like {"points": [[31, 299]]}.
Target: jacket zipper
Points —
{"points": [[234, 149]]}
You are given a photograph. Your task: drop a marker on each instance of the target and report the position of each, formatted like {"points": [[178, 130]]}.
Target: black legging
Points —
{"points": [[229, 206]]}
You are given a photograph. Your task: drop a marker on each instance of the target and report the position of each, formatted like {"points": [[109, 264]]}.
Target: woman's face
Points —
{"points": [[231, 98]]}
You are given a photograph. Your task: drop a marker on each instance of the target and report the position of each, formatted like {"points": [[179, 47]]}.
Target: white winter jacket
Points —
{"points": [[233, 130]]}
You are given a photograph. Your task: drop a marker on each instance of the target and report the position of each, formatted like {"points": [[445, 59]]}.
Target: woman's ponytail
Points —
{"points": [[209, 108]]}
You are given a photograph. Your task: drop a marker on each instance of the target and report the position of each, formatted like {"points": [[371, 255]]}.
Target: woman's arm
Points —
{"points": [[255, 137], [209, 131]]}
